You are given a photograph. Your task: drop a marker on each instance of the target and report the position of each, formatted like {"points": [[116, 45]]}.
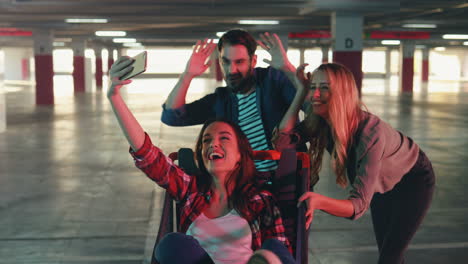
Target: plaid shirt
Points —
{"points": [[266, 223]]}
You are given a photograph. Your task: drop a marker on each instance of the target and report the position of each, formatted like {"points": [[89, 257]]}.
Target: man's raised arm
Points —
{"points": [[197, 65]]}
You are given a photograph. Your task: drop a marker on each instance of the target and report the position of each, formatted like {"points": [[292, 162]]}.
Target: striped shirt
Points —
{"points": [[251, 124]]}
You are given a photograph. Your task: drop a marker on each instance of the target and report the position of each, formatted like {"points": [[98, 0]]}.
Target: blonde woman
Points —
{"points": [[386, 170]]}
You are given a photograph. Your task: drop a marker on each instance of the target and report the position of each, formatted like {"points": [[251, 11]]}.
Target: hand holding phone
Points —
{"points": [[139, 66]]}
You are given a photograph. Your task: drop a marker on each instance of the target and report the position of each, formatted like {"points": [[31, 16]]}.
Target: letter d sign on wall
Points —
{"points": [[348, 43]]}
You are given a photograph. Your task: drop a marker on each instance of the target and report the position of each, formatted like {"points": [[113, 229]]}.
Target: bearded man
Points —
{"points": [[255, 98]]}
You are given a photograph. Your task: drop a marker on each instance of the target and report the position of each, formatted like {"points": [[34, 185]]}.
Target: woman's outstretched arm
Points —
{"points": [[129, 125], [336, 207]]}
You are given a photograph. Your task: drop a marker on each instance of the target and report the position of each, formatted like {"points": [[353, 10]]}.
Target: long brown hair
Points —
{"points": [[241, 178], [344, 112]]}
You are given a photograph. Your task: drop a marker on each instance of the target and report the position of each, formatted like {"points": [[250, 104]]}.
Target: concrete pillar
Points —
{"points": [[407, 66], [44, 67], [88, 75], [301, 56], [121, 52], [98, 73], [324, 49], [284, 37], [79, 47], [17, 60], [388, 63], [347, 29], [2, 93], [464, 65], [110, 59], [425, 65]]}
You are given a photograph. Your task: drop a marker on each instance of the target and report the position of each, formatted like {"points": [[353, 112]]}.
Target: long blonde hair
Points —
{"points": [[344, 114]]}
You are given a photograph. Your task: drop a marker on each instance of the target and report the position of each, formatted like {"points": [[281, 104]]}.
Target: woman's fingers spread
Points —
{"points": [[305, 196], [308, 221]]}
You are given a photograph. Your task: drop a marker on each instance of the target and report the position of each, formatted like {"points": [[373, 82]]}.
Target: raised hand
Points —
{"points": [[198, 61], [119, 69], [279, 58], [303, 77]]}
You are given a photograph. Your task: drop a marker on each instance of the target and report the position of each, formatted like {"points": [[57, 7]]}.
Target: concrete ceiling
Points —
{"points": [[172, 22]]}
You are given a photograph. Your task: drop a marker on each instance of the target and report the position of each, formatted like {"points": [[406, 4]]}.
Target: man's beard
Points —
{"points": [[244, 84]]}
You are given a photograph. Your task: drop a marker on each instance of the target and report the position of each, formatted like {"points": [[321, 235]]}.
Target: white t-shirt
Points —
{"points": [[226, 239]]}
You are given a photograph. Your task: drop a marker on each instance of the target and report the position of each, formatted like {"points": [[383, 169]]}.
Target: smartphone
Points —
{"points": [[139, 66]]}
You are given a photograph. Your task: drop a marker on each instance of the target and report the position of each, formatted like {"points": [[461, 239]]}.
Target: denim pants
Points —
{"points": [[178, 248], [397, 214]]}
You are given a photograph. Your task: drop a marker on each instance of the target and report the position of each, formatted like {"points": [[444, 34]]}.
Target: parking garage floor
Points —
{"points": [[69, 192]]}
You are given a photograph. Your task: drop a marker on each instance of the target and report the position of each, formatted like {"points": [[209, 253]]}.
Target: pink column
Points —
{"points": [[43, 63], [407, 66], [347, 33], [79, 46], [425, 65]]}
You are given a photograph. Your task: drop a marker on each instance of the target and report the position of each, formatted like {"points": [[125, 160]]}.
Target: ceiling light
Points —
{"points": [[220, 34], [390, 42], [439, 49], [63, 39], [465, 43], [455, 36], [132, 44], [124, 40], [419, 25], [58, 44], [258, 22], [86, 20], [111, 33]]}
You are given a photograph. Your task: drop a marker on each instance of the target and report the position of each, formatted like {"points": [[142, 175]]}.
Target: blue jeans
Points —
{"points": [[279, 249], [178, 248]]}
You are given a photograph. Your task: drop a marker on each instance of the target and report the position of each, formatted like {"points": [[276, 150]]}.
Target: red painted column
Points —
{"points": [[98, 73], [347, 32], [43, 63], [353, 61], [425, 65], [407, 66], [79, 65]]}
